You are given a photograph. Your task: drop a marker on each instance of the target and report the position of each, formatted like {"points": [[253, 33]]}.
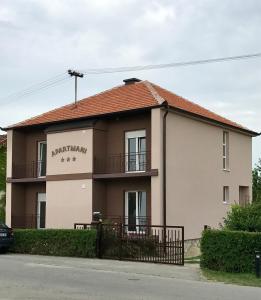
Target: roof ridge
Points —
{"points": [[201, 107], [153, 92]]}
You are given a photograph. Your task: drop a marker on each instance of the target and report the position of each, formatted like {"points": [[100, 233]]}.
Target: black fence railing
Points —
{"points": [[125, 162], [33, 169], [147, 243]]}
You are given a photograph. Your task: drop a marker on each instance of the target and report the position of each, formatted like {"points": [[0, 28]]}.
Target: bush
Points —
{"points": [[244, 218], [58, 242], [229, 251]]}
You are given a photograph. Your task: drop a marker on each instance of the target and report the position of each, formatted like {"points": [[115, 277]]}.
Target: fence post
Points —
{"points": [[121, 228], [183, 248], [99, 240], [257, 263]]}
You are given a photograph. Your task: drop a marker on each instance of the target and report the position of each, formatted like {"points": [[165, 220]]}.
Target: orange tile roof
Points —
{"points": [[124, 98]]}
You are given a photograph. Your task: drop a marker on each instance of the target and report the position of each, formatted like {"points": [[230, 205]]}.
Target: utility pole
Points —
{"points": [[76, 75]]}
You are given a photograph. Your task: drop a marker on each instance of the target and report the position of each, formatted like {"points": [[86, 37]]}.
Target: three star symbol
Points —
{"points": [[68, 159]]}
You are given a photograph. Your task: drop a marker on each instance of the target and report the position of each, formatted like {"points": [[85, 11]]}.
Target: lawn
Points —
{"points": [[232, 278]]}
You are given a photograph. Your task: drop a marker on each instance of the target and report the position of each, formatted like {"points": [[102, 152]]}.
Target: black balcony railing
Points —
{"points": [[30, 170], [131, 221], [121, 163]]}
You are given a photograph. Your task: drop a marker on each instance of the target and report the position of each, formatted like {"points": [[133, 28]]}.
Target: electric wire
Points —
{"points": [[56, 80], [170, 65]]}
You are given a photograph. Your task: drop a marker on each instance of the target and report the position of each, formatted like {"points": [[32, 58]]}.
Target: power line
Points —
{"points": [[54, 81], [51, 85], [36, 86], [170, 65]]}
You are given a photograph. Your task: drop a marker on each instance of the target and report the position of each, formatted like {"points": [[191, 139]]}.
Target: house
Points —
{"points": [[3, 139], [136, 153]]}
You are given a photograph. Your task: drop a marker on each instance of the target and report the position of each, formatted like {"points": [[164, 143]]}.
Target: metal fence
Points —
{"points": [[124, 162], [32, 169], [146, 243]]}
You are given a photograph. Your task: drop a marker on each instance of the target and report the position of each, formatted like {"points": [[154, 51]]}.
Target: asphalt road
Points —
{"points": [[40, 277]]}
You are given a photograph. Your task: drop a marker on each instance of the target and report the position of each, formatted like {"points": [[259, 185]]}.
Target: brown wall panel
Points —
{"points": [[99, 197], [31, 191], [19, 148], [32, 140], [118, 127], [18, 200], [115, 195]]}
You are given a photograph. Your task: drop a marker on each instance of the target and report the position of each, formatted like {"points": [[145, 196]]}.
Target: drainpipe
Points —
{"points": [[164, 166]]}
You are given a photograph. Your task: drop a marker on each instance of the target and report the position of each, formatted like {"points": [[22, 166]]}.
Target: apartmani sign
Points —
{"points": [[69, 148]]}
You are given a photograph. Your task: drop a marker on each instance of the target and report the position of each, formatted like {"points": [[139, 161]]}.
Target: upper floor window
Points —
{"points": [[135, 149], [225, 150], [41, 163]]}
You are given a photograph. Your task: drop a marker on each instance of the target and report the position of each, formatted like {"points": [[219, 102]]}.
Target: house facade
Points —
{"points": [[137, 154], [3, 139]]}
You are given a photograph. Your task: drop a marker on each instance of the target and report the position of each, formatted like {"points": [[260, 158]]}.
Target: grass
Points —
{"points": [[192, 260], [248, 279]]}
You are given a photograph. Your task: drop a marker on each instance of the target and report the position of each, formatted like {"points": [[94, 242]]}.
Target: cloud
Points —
{"points": [[40, 39]]}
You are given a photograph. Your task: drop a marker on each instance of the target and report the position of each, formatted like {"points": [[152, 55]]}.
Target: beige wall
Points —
{"points": [[9, 174], [195, 177], [156, 163], [8, 207], [83, 163], [68, 202]]}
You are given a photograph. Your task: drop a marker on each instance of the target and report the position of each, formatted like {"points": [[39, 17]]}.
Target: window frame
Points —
{"points": [[225, 151], [226, 194], [126, 209], [39, 165], [135, 134]]}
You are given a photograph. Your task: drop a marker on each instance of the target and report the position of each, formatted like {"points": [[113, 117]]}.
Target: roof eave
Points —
{"points": [[147, 108], [215, 122]]}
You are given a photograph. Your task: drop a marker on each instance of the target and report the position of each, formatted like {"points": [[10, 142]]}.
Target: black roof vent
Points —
{"points": [[131, 80]]}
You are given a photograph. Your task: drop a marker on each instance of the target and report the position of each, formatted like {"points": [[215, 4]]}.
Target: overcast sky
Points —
{"points": [[40, 39]]}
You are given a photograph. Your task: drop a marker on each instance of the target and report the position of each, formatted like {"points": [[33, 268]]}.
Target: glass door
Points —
{"points": [[135, 147], [41, 163], [135, 210], [41, 210]]}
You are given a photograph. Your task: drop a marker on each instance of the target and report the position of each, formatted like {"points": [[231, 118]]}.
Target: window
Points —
{"points": [[225, 194], [225, 150], [244, 195], [41, 163], [135, 210], [41, 210], [135, 148]]}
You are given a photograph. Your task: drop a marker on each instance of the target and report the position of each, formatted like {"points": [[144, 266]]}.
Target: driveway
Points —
{"points": [[41, 277]]}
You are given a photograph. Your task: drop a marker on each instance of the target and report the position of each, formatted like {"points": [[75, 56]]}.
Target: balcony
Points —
{"points": [[130, 164], [34, 169]]}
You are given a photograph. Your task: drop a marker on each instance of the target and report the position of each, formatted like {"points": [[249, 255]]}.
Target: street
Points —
{"points": [[42, 277]]}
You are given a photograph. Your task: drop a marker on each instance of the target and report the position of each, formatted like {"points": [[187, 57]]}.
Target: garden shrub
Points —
{"points": [[57, 242], [229, 251], [244, 218]]}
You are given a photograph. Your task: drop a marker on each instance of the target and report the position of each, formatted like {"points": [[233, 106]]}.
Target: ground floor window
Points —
{"points": [[41, 210], [243, 195], [225, 194], [135, 209]]}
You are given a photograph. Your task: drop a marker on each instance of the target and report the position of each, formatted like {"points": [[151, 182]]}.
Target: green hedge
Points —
{"points": [[229, 251], [58, 242]]}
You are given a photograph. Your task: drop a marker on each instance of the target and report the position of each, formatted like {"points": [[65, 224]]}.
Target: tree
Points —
{"points": [[256, 183]]}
